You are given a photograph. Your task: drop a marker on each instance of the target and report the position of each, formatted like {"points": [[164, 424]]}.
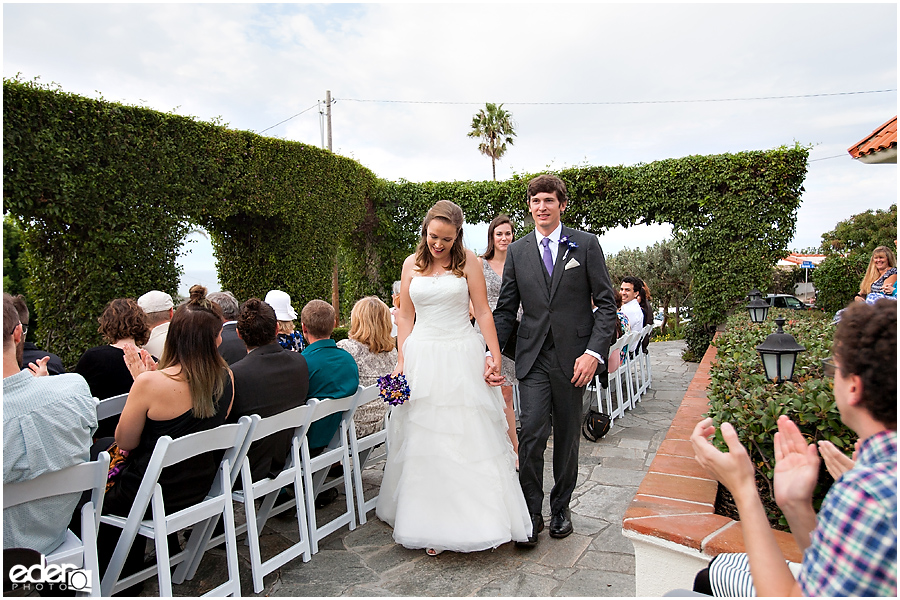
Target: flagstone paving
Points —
{"points": [[594, 561]]}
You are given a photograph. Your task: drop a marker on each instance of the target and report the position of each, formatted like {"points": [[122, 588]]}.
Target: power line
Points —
{"points": [[289, 118], [829, 157], [625, 101]]}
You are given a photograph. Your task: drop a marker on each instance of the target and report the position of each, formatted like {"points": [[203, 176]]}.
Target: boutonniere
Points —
{"points": [[569, 244]]}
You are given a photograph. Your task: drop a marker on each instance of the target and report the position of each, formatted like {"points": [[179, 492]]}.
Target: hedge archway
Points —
{"points": [[105, 193]]}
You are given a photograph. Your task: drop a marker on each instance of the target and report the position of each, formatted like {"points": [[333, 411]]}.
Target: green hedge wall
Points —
{"points": [[105, 193]]}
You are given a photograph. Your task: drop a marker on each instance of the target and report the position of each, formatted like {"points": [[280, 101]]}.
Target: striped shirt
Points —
{"points": [[853, 550]]}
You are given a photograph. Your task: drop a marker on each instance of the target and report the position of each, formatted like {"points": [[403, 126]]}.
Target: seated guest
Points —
{"points": [[288, 336], [630, 290], [47, 426], [849, 547], [30, 352], [332, 371], [158, 307], [103, 367], [372, 347], [232, 347], [268, 381], [191, 390]]}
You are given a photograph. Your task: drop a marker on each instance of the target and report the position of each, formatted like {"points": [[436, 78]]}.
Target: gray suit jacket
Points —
{"points": [[561, 305]]}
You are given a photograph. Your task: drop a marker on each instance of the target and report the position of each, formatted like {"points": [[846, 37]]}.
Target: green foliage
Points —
{"points": [[837, 280], [496, 129], [698, 336], [105, 193], [13, 261], [340, 333], [863, 232], [740, 394], [783, 280]]}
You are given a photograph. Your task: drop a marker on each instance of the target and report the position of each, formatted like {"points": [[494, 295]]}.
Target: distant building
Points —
{"points": [[803, 290]]}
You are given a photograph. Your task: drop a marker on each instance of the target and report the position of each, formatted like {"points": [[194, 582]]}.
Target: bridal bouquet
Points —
{"points": [[393, 390]]}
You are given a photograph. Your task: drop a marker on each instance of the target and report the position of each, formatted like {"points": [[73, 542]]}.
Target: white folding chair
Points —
{"points": [[82, 553], [232, 439], [612, 376], [315, 469], [632, 341], [645, 359], [110, 407], [361, 452], [298, 419]]}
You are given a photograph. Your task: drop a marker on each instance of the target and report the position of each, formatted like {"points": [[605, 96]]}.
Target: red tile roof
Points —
{"points": [[881, 139]]}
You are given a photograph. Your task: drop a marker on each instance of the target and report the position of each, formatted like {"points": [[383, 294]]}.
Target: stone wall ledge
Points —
{"points": [[671, 521]]}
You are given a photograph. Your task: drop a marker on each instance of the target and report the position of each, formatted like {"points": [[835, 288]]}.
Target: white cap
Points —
{"points": [[155, 301], [281, 302]]}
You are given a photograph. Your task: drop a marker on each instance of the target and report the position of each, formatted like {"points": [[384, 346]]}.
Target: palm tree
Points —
{"points": [[496, 128]]}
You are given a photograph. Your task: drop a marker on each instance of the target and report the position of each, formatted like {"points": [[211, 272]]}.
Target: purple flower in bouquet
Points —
{"points": [[565, 241], [393, 390]]}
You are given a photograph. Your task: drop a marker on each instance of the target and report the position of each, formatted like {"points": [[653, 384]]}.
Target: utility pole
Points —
{"points": [[335, 295]]}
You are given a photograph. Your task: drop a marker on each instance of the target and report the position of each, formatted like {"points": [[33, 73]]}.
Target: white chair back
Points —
{"points": [[112, 406], [315, 469], [230, 438], [298, 419], [361, 452], [86, 476]]}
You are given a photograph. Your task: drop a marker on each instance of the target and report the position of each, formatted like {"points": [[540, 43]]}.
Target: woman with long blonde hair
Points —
{"points": [[881, 275], [370, 344], [450, 481]]}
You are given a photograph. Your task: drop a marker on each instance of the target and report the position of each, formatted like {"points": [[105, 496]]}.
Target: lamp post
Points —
{"points": [[779, 354], [758, 308]]}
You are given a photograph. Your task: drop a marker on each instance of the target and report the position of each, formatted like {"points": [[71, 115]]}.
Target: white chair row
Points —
{"points": [[304, 473], [631, 377]]}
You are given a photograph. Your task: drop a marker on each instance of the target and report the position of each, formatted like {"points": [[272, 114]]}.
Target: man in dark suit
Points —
{"points": [[268, 381], [232, 347], [554, 272]]}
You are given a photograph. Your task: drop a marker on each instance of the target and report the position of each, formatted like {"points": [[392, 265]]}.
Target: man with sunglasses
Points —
{"points": [[850, 547]]}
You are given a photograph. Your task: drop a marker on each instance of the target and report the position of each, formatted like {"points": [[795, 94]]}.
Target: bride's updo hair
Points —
{"points": [[452, 214]]}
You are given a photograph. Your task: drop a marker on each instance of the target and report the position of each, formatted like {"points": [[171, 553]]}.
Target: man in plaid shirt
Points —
{"points": [[850, 547]]}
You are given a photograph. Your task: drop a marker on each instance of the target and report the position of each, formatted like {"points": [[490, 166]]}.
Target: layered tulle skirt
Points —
{"points": [[450, 481]]}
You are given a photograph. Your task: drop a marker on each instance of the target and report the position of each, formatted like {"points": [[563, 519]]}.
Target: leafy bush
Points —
{"points": [[740, 394], [340, 333], [837, 280], [698, 337]]}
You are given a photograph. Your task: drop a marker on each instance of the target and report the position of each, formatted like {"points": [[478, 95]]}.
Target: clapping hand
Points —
{"points": [[733, 468], [836, 461], [138, 361], [796, 465], [39, 367]]}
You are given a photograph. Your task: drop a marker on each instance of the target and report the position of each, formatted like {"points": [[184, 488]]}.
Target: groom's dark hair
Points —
{"points": [[547, 184]]}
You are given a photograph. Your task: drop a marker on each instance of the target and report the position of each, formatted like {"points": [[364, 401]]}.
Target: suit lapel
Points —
{"points": [[533, 260], [559, 266]]}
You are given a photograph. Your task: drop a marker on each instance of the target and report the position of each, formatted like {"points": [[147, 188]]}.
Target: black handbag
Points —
{"points": [[595, 425]]}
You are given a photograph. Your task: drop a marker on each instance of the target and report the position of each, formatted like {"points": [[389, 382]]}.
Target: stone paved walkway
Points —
{"points": [[596, 560]]}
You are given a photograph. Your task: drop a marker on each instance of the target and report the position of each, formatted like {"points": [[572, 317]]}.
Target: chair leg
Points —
{"points": [[234, 577]]}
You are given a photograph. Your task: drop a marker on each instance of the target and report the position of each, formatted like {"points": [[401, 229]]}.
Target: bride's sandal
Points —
{"points": [[432, 551]]}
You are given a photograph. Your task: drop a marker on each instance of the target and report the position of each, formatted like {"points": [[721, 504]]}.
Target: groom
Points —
{"points": [[554, 272]]}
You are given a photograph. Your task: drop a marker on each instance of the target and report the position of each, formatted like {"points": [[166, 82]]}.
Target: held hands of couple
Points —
{"points": [[492, 374]]}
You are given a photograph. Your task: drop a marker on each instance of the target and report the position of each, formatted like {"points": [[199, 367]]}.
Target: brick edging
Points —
{"points": [[676, 499]]}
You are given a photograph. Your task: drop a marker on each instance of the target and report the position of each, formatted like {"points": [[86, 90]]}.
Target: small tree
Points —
{"points": [[496, 129], [863, 232]]}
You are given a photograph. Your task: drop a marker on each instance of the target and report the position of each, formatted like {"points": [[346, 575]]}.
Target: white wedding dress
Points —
{"points": [[450, 481]]}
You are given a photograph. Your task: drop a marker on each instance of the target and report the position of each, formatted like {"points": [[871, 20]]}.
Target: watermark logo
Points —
{"points": [[58, 578]]}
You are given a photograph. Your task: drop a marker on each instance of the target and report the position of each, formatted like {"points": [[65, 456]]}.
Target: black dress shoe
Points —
{"points": [[560, 524], [537, 526]]}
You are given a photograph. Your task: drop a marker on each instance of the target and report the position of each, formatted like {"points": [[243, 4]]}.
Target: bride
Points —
{"points": [[450, 481]]}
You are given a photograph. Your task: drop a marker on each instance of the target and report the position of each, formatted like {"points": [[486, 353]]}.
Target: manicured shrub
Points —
{"points": [[837, 280], [740, 394]]}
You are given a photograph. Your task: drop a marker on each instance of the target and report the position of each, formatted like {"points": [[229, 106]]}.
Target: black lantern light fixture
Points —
{"points": [[758, 308], [779, 354]]}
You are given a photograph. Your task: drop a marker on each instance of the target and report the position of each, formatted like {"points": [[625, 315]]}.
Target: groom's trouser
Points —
{"points": [[544, 391]]}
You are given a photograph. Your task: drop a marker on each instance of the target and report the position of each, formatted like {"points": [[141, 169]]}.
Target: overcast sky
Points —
{"points": [[587, 84]]}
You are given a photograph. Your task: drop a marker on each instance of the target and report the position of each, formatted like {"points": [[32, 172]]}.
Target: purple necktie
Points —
{"points": [[548, 258]]}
